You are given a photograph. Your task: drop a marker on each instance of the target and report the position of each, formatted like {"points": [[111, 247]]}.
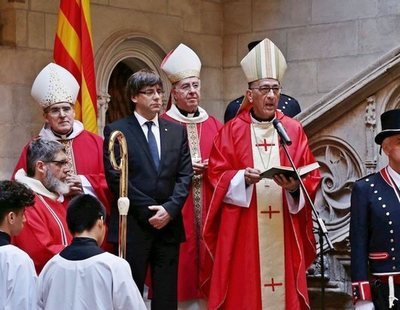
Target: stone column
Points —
{"points": [[370, 130], [102, 105]]}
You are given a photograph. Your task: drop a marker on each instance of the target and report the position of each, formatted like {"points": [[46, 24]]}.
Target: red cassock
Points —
{"points": [[45, 232], [231, 275], [87, 159], [191, 250]]}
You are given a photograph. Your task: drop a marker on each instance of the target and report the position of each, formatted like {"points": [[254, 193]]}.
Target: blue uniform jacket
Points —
{"points": [[374, 230]]}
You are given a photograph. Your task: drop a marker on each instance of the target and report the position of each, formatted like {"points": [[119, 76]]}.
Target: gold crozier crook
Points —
{"points": [[123, 200]]}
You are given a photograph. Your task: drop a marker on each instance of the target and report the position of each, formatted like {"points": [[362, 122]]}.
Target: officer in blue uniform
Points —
{"points": [[288, 105], [375, 226]]}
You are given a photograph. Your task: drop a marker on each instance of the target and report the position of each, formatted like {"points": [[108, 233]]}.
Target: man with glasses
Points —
{"points": [[287, 104], [45, 232], [159, 175], [55, 89], [182, 67], [258, 232]]}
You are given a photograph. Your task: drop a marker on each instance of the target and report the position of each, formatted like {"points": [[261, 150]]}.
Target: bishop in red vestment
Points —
{"points": [[258, 248], [182, 67]]}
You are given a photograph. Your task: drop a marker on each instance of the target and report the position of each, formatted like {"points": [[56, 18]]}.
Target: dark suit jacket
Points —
{"points": [[168, 187]]}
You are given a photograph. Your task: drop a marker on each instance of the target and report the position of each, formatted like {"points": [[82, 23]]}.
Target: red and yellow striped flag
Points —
{"points": [[73, 50]]}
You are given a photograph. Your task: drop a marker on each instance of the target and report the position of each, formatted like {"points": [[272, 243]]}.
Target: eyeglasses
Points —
{"points": [[57, 111], [266, 89], [59, 163], [151, 92]]}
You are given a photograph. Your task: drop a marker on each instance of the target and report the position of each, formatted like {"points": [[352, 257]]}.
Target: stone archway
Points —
{"points": [[118, 57]]}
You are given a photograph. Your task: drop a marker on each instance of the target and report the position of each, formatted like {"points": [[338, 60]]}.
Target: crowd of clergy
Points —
{"points": [[205, 229]]}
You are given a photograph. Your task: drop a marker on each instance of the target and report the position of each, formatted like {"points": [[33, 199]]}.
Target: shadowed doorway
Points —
{"points": [[119, 105]]}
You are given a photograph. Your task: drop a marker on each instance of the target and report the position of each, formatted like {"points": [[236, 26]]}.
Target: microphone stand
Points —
{"points": [[322, 231]]}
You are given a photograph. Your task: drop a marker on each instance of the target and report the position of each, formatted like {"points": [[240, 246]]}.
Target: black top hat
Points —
{"points": [[390, 121]]}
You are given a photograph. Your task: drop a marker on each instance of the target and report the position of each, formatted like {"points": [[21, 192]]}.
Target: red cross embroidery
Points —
{"points": [[273, 284], [269, 212], [265, 144]]}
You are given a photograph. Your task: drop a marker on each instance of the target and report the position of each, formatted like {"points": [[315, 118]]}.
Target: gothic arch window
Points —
{"points": [[118, 57]]}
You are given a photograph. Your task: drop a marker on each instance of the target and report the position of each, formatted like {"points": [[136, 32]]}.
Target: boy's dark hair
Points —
{"points": [[83, 212], [41, 149], [140, 79], [14, 197]]}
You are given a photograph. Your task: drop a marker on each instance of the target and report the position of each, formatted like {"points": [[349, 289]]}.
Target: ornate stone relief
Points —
{"points": [[370, 131], [102, 105], [340, 168]]}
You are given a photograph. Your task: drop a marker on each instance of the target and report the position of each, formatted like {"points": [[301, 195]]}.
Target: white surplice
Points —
{"points": [[17, 279], [99, 282]]}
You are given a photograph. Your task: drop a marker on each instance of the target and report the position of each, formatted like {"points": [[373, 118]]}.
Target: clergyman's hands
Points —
{"points": [[199, 167], [290, 184], [251, 176], [75, 185], [161, 218]]}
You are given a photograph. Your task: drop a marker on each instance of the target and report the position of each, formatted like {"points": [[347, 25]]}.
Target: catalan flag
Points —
{"points": [[73, 50]]}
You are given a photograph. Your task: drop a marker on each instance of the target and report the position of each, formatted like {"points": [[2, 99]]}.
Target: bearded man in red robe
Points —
{"points": [[182, 66], [258, 231], [45, 232]]}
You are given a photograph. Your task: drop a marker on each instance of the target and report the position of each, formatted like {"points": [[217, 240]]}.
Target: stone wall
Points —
{"points": [[326, 42]]}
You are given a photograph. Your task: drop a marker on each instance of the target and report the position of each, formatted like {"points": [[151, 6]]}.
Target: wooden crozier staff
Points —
{"points": [[123, 200]]}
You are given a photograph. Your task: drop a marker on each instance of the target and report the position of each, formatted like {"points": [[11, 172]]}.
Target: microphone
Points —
{"points": [[281, 131]]}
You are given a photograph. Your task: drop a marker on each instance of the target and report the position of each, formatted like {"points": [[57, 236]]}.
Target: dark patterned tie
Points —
{"points": [[152, 144]]}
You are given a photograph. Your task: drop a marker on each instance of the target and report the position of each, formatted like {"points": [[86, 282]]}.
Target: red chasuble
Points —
{"points": [[231, 276], [192, 249]]}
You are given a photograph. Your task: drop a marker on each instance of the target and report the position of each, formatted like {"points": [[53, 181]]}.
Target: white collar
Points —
{"points": [[174, 113], [143, 120], [36, 186], [47, 133], [257, 122], [394, 175]]}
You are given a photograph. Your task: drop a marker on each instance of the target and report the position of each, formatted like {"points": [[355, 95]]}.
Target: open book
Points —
{"points": [[288, 171]]}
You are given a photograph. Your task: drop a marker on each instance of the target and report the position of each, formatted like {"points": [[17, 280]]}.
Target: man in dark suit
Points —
{"points": [[287, 104], [159, 175]]}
